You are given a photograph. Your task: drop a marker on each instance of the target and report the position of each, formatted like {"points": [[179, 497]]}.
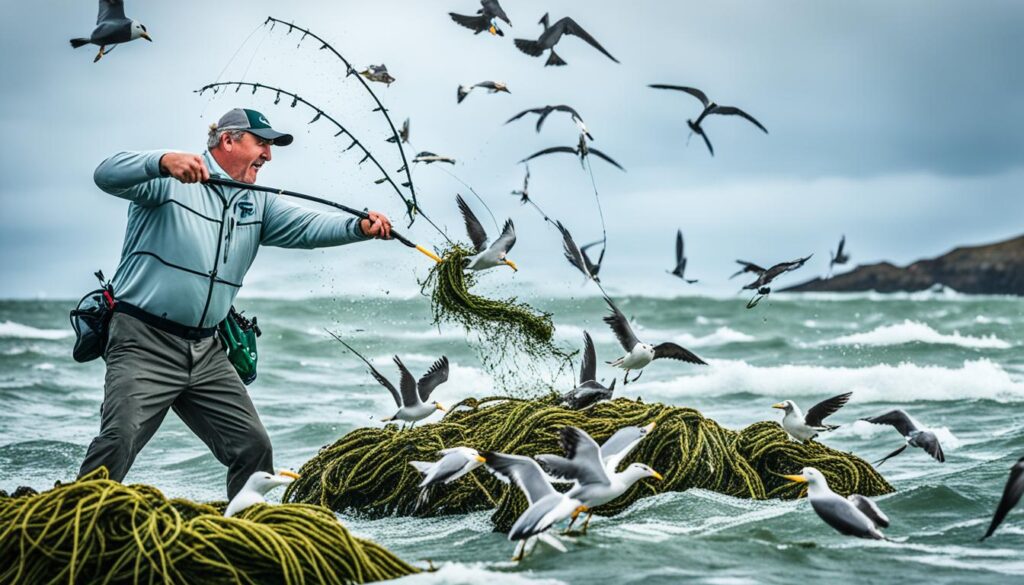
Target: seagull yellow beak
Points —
{"points": [[650, 427], [441, 407], [493, 30], [480, 459], [779, 405], [290, 474], [512, 265], [146, 36], [796, 478], [656, 475]]}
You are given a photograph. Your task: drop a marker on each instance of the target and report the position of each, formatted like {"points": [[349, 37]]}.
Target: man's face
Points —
{"points": [[245, 157]]}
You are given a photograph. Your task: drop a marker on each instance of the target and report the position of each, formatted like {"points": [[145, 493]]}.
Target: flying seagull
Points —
{"points": [[581, 150], [453, 464], [550, 37], [378, 73], [765, 277], [257, 486], [412, 400], [112, 28], [853, 516], [639, 354], [429, 157], [1011, 496], [485, 20], [403, 134], [490, 86], [575, 255], [487, 257], [840, 257], [914, 433], [589, 391], [805, 427], [597, 481], [680, 268], [710, 107], [593, 267], [524, 194], [547, 506], [546, 111]]}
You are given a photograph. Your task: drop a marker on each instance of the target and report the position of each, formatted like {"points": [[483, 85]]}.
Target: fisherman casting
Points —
{"points": [[186, 251]]}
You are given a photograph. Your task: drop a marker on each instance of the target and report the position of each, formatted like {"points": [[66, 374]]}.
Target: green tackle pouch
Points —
{"points": [[239, 335]]}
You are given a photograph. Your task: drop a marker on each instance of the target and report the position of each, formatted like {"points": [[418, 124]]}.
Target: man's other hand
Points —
{"points": [[187, 168], [377, 226]]}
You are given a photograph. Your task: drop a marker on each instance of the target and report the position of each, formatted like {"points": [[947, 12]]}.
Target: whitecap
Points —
{"points": [[12, 329], [915, 332], [721, 336]]}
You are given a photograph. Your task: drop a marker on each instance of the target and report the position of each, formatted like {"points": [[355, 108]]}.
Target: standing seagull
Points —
{"points": [[454, 463], [546, 111], [486, 19], [597, 481], [546, 505], [680, 268], [765, 277], [710, 107], [912, 431], [840, 257], [550, 37], [639, 354], [490, 86], [487, 257], [805, 427], [412, 401], [403, 134], [581, 150], [257, 486], [852, 516], [589, 391], [112, 28], [1011, 495]]}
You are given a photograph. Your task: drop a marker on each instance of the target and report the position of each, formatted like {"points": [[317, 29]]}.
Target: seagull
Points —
{"points": [[912, 431], [412, 401], [378, 73], [112, 28], [853, 516], [429, 157], [546, 111], [805, 427], [709, 108], [403, 134], [490, 86], [486, 19], [575, 255], [547, 506], [487, 257], [454, 463], [840, 257], [680, 268], [597, 481], [593, 267], [550, 37], [257, 486], [524, 194], [765, 277], [1011, 496], [639, 354], [589, 391], [581, 150]]}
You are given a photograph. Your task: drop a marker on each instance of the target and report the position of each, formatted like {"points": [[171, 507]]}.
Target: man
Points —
{"points": [[186, 250]]}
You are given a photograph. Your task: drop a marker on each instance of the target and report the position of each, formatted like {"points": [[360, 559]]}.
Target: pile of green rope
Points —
{"points": [[98, 531], [367, 471]]}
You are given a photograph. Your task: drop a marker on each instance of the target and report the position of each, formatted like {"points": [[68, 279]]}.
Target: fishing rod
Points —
{"points": [[360, 214]]}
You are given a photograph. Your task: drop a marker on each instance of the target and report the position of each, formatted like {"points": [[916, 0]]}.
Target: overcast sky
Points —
{"points": [[900, 124]]}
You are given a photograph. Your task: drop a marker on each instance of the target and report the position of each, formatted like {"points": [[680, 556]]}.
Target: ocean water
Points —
{"points": [[955, 362]]}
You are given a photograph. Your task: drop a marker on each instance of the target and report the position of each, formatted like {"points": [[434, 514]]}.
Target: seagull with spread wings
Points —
{"points": [[915, 434], [805, 427], [552, 34], [710, 107], [765, 277], [112, 28], [546, 111], [486, 18], [487, 256], [403, 134], [581, 150], [490, 86], [680, 269], [639, 354], [589, 391], [841, 256]]}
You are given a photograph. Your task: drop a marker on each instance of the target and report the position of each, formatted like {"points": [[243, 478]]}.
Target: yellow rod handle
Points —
{"points": [[428, 253]]}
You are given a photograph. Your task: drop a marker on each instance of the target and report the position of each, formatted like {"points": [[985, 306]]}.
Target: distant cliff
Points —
{"points": [[991, 269]]}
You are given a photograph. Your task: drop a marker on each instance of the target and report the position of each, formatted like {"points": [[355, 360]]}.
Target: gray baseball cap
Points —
{"points": [[253, 122]]}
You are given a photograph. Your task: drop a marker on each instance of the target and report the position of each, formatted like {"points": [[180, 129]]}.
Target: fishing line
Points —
{"points": [[232, 60]]}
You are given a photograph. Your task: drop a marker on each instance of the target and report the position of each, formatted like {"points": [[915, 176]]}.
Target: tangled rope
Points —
{"points": [[99, 531], [367, 470]]}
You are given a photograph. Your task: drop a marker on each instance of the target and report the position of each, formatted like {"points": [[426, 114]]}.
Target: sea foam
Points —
{"points": [[914, 332], [12, 329]]}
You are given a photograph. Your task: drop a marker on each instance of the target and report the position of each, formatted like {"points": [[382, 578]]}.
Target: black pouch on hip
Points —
{"points": [[91, 321], [239, 335]]}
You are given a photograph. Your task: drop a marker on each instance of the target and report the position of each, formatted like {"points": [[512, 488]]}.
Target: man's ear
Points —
{"points": [[226, 142]]}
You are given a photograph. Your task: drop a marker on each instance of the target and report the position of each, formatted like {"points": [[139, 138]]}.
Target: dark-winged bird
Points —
{"points": [[487, 257], [765, 277], [581, 150], [639, 354], [429, 157], [840, 257], [490, 86], [112, 28], [550, 37], [378, 73], [589, 391], [805, 427], [680, 269], [576, 256], [913, 433], [403, 134], [545, 111], [855, 515], [1011, 496], [486, 18], [593, 267], [710, 107]]}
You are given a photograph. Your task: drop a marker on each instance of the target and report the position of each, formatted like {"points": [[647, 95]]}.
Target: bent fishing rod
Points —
{"points": [[360, 214]]}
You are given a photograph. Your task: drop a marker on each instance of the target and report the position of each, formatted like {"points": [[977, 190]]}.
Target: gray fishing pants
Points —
{"points": [[149, 371]]}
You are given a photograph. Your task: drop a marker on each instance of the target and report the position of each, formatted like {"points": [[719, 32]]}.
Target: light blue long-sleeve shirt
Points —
{"points": [[188, 247]]}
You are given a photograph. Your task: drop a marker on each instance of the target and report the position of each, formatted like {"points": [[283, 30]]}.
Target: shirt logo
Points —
{"points": [[245, 209]]}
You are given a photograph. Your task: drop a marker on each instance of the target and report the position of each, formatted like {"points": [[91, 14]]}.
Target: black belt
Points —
{"points": [[165, 325]]}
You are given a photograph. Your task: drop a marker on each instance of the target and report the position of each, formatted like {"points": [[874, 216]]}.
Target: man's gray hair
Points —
{"points": [[213, 139]]}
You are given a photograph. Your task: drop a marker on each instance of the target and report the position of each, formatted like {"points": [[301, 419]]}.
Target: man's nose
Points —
{"points": [[266, 152]]}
